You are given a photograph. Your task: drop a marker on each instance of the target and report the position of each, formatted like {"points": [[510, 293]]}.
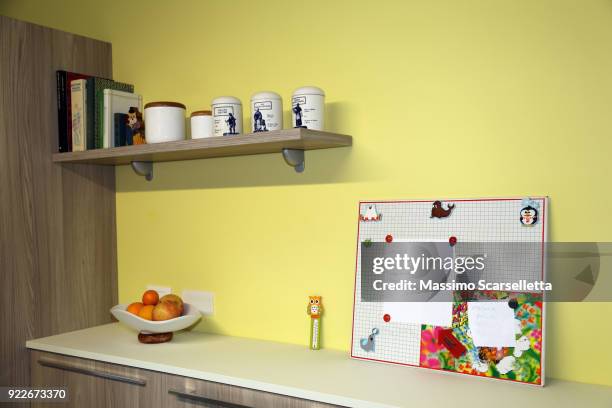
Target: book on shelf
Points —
{"points": [[78, 91], [64, 108], [116, 102], [95, 108]]}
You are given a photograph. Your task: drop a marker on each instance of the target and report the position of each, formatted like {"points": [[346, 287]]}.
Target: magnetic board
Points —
{"points": [[406, 334]]}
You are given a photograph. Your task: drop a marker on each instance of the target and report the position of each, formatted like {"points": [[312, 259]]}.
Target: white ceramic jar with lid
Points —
{"points": [[308, 107], [201, 124], [164, 121], [266, 111], [227, 116]]}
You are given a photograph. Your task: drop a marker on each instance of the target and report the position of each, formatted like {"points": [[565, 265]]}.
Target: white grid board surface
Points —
{"points": [[472, 220]]}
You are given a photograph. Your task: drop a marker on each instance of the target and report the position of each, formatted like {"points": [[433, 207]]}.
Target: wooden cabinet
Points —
{"points": [[61, 371], [92, 383], [58, 263], [130, 387], [189, 392], [96, 384]]}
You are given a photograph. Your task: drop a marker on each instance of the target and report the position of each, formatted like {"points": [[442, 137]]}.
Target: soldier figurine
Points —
{"points": [[231, 123], [259, 122], [297, 110]]}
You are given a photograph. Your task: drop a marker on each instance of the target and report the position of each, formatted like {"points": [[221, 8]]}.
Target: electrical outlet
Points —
{"points": [[161, 290], [203, 301]]}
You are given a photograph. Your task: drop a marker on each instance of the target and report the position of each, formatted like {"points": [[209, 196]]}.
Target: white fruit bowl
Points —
{"points": [[189, 317]]}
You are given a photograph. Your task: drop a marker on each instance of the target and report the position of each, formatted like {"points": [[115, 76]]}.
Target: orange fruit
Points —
{"points": [[134, 308], [150, 297], [146, 312]]}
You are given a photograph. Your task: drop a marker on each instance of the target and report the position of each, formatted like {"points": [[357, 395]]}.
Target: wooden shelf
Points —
{"points": [[240, 145]]}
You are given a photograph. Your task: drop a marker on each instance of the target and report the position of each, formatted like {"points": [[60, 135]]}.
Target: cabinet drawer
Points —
{"points": [[188, 392], [95, 384]]}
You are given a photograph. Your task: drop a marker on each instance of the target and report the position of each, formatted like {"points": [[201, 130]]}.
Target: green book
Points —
{"points": [[95, 108]]}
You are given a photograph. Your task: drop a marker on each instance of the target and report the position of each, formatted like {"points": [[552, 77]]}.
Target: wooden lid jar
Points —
{"points": [[164, 121], [201, 124]]}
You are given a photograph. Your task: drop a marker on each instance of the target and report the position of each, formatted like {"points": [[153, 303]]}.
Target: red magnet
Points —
{"points": [[452, 241], [387, 318], [448, 340], [389, 238]]}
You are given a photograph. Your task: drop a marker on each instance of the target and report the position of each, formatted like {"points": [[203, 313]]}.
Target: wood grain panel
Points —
{"points": [[190, 393], [190, 149], [18, 262], [97, 384], [83, 390], [57, 222]]}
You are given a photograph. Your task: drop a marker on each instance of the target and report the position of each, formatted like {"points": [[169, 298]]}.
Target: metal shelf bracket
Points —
{"points": [[143, 168], [294, 158]]}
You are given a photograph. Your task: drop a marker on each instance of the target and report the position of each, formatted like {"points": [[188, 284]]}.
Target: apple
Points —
{"points": [[166, 311], [172, 298]]}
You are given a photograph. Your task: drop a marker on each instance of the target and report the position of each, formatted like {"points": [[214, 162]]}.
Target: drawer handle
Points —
{"points": [[198, 397], [88, 371]]}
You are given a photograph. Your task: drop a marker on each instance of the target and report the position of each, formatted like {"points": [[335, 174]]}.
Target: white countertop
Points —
{"points": [[324, 375]]}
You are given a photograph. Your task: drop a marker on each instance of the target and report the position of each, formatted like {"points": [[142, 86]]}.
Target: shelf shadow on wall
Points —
{"points": [[322, 167], [326, 166]]}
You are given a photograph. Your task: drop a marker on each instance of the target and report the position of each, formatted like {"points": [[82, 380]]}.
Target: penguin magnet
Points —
{"points": [[367, 344], [529, 212]]}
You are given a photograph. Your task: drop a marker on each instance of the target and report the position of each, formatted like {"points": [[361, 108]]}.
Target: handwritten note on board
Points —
{"points": [[492, 324]]}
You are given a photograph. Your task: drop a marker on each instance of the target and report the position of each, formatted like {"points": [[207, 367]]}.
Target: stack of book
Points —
{"points": [[93, 113]]}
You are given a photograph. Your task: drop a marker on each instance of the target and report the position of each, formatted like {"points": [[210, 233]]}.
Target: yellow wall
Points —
{"points": [[443, 99]]}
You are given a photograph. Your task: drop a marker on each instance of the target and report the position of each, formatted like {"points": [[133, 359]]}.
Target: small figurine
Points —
{"points": [[297, 109], [231, 123], [260, 123], [529, 213], [438, 211], [136, 125], [315, 310]]}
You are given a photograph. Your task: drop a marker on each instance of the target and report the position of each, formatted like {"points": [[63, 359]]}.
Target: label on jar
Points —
{"points": [[299, 99], [263, 105], [266, 115], [307, 111], [227, 119]]}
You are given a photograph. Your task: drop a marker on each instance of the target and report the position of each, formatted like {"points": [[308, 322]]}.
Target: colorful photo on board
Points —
{"points": [[453, 349]]}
